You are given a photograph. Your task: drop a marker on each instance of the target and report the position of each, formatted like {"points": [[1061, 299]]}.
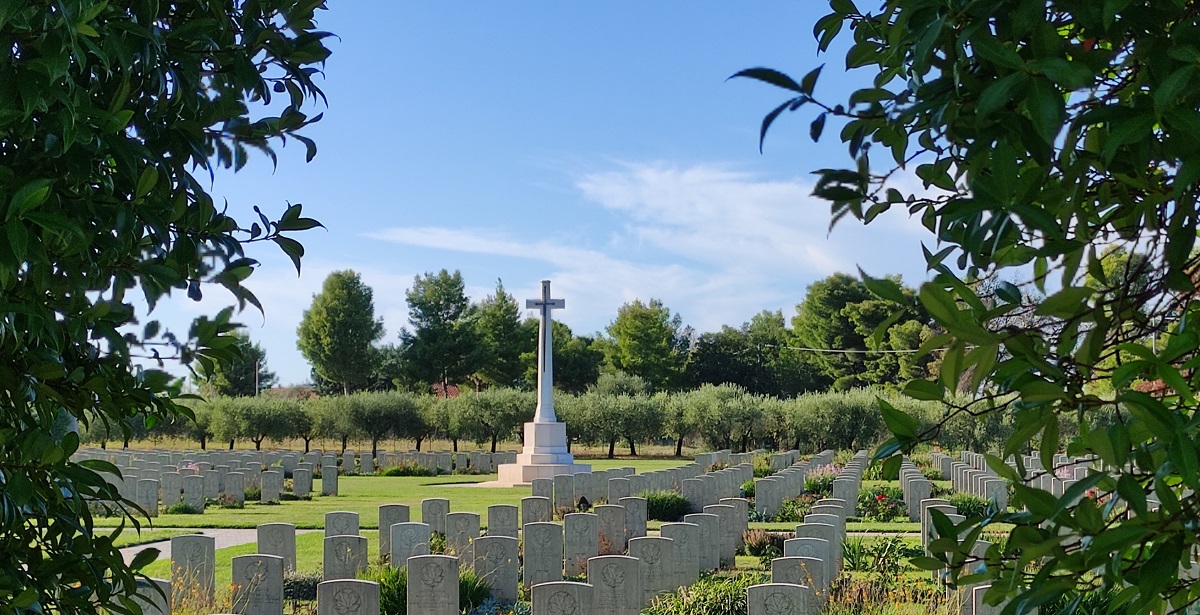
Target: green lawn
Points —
{"points": [[364, 495]]}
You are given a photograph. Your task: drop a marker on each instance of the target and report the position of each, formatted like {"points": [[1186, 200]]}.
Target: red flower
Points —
{"points": [[880, 497]]}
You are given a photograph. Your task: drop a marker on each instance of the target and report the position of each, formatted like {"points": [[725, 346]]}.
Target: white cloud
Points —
{"points": [[716, 245]]}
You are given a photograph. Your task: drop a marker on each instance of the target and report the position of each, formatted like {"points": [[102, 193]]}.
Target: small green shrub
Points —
{"points": [[288, 496], [393, 587], [226, 501], [710, 596], [968, 505], [437, 543], [932, 474], [1090, 602], [408, 469], [794, 509], [882, 503], [496, 606], [762, 466], [669, 506], [473, 590], [252, 494], [855, 556], [300, 585], [182, 508], [748, 489], [761, 542], [820, 481]]}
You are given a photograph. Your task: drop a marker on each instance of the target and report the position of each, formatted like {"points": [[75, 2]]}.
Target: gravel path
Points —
{"points": [[224, 537]]}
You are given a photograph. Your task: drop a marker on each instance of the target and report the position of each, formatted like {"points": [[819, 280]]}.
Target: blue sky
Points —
{"points": [[597, 145]]}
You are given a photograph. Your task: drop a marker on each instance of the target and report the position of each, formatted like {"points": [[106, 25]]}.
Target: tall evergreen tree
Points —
{"points": [[443, 345], [648, 341], [502, 339], [337, 333]]}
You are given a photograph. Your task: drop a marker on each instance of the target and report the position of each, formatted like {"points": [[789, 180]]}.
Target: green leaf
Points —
{"points": [[146, 182], [884, 288], [768, 120], [1003, 470], [939, 303], [144, 558], [818, 125], [927, 563], [1046, 108], [899, 423], [292, 248], [991, 49], [28, 197], [925, 390], [771, 76], [810, 80], [1066, 302]]}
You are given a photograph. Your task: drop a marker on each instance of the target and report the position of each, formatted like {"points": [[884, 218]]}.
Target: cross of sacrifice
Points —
{"points": [[545, 375]]}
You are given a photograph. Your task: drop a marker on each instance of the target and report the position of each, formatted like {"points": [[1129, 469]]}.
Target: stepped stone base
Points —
{"points": [[545, 455]]}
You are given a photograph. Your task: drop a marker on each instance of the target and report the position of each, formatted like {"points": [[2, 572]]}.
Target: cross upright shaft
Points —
{"points": [[545, 373]]}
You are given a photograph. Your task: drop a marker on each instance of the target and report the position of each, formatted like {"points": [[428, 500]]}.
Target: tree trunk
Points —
{"points": [[612, 448], [203, 444], [679, 446], [306, 441], [345, 443], [374, 448], [454, 442], [345, 388], [231, 441], [494, 443], [632, 447], [104, 445], [419, 444], [258, 445]]}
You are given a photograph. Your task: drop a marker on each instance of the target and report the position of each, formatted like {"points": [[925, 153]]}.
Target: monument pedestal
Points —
{"points": [[544, 455]]}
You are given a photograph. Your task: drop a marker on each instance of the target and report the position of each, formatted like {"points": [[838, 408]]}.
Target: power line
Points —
{"points": [[846, 351]]}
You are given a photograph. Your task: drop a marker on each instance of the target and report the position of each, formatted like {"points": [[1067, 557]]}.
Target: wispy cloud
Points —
{"points": [[713, 243]]}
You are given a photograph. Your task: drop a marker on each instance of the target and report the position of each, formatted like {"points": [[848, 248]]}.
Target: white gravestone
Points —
{"points": [[389, 515], [581, 536], [535, 510], [709, 544], [341, 523], [656, 565], [433, 512], [345, 557], [496, 562], [616, 585], [543, 553], [193, 569], [278, 539], [258, 584], [408, 539], [433, 585], [346, 597], [611, 536], [687, 550], [780, 599], [502, 520], [562, 598]]}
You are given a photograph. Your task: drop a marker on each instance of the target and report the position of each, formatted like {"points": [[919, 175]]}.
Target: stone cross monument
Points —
{"points": [[545, 453]]}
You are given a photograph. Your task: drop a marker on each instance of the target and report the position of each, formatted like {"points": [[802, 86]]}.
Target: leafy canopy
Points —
{"points": [[106, 111], [337, 334], [1045, 133]]}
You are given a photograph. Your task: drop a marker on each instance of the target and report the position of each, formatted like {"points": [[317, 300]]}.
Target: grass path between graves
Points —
{"points": [[365, 494]]}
